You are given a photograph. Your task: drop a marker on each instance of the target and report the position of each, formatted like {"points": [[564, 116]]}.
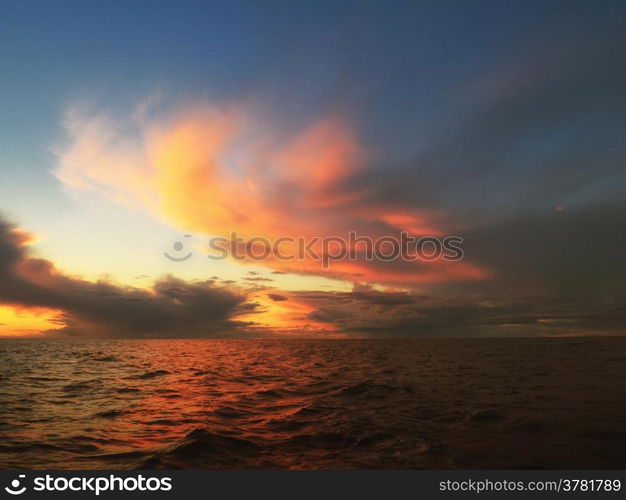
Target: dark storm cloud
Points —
{"points": [[577, 252], [470, 314], [555, 273], [172, 307]]}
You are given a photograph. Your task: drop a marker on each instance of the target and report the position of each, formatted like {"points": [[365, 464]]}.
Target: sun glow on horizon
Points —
{"points": [[18, 321]]}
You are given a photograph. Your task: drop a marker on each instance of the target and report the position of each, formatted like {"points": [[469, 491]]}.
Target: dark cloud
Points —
{"points": [[172, 307], [277, 297], [552, 273], [573, 253], [460, 315]]}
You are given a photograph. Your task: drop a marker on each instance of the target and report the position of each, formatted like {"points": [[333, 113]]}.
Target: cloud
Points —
{"points": [[172, 307], [556, 273], [219, 169], [388, 315], [277, 297], [256, 279]]}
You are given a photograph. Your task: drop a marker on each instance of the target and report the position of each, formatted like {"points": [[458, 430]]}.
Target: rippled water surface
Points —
{"points": [[313, 404]]}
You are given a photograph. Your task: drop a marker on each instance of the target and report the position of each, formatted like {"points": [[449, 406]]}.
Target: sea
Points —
{"points": [[545, 403]]}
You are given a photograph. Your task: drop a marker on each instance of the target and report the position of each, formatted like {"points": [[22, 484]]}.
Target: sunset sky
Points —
{"points": [[126, 126]]}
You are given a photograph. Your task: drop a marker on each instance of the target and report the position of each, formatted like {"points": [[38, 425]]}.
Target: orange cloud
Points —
{"points": [[217, 171], [209, 179]]}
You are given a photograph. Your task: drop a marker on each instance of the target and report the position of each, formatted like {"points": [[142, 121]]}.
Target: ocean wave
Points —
{"points": [[153, 374], [205, 449]]}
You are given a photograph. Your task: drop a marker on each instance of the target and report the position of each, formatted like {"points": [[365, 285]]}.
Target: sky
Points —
{"points": [[127, 127]]}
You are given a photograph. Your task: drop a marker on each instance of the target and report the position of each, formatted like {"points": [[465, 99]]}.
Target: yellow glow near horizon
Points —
{"points": [[284, 316], [23, 322]]}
